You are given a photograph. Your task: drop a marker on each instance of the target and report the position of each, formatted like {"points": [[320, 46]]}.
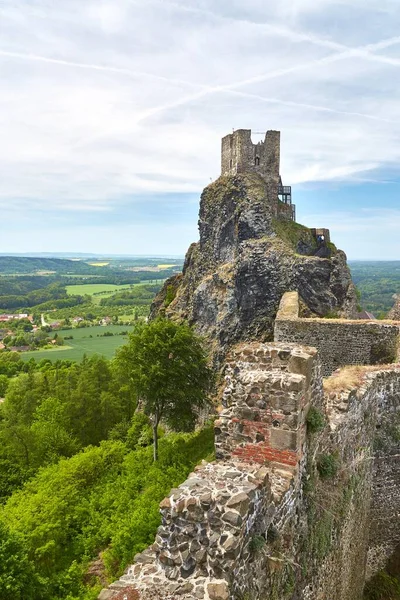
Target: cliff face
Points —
{"points": [[245, 260]]}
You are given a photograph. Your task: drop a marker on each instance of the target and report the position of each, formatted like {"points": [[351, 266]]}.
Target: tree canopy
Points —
{"points": [[167, 366]]}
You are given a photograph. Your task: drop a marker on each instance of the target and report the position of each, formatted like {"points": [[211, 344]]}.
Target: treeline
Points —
{"points": [[29, 264], [138, 295], [93, 312], [54, 291], [23, 284]]}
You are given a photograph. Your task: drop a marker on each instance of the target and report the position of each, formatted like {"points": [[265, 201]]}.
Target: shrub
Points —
{"points": [[257, 543], [170, 295], [327, 465], [382, 587], [315, 420]]}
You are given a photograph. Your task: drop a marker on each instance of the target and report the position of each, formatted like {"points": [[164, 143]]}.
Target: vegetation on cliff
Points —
{"points": [[104, 499], [382, 587], [299, 238], [76, 465]]}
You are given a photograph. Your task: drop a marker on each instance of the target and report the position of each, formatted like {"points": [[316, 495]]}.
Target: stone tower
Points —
{"points": [[240, 155]]}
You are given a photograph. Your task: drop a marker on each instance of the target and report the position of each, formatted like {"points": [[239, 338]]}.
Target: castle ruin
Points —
{"points": [[240, 155], [302, 501]]}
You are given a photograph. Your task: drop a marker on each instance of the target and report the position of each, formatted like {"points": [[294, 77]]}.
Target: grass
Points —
{"points": [[293, 233], [94, 288], [82, 344], [99, 264], [104, 290], [348, 378]]}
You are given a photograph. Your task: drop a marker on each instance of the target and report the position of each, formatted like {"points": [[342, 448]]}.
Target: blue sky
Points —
{"points": [[111, 114]]}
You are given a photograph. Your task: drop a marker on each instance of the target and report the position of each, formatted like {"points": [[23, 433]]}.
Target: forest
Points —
{"points": [[83, 467], [377, 282]]}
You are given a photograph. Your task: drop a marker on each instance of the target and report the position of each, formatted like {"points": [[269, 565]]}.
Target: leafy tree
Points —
{"points": [[18, 579], [167, 365], [3, 385]]}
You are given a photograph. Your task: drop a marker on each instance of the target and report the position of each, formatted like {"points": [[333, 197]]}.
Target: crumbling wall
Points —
{"points": [[303, 496], [340, 342], [211, 525], [361, 501], [384, 535]]}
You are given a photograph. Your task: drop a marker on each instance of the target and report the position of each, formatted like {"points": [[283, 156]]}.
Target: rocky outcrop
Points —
{"points": [[245, 260]]}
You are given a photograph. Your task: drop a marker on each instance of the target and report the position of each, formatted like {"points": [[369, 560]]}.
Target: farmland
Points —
{"points": [[86, 340], [94, 288]]}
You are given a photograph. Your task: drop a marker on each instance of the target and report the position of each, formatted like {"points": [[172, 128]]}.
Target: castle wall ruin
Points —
{"points": [[267, 519], [340, 342], [240, 155]]}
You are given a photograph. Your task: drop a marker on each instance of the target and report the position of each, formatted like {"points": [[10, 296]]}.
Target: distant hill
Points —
{"points": [[10, 265]]}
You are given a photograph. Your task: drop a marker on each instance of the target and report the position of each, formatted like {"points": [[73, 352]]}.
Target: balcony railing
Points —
{"points": [[285, 189]]}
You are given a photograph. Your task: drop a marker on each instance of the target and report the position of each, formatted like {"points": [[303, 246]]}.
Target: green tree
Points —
{"points": [[167, 365], [18, 579], [3, 385]]}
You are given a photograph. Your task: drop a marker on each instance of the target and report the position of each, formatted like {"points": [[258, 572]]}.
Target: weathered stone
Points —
{"points": [[232, 517], [188, 567], [218, 590], [166, 503], [239, 502]]}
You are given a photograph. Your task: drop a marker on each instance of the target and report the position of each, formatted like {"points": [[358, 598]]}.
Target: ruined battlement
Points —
{"points": [[301, 501], [340, 342], [240, 155]]}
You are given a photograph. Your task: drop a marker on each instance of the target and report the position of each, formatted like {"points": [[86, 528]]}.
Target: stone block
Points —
{"points": [[218, 590], [284, 440]]}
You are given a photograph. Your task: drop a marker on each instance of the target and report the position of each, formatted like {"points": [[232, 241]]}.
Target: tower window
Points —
{"points": [[230, 164], [257, 161]]}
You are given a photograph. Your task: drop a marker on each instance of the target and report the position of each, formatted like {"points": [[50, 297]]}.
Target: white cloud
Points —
{"points": [[102, 99]]}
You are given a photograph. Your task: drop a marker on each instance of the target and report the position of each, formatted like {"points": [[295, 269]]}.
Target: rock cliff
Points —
{"points": [[245, 260]]}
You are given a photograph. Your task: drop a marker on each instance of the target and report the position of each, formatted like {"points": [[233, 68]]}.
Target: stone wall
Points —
{"points": [[266, 520], [205, 547], [361, 421], [340, 342], [385, 513], [240, 155]]}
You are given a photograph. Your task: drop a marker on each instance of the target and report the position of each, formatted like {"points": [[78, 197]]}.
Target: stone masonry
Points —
{"points": [[245, 525], [240, 155], [340, 342], [203, 549]]}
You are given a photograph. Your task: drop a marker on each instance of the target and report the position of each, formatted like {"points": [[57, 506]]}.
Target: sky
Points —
{"points": [[112, 111]]}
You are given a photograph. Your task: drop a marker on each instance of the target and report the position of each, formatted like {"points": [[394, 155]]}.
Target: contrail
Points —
{"points": [[91, 66], [232, 88]]}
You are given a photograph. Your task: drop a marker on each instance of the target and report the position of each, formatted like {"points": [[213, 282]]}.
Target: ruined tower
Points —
{"points": [[240, 155]]}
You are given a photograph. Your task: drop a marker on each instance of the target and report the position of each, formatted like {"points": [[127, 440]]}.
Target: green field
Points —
{"points": [[84, 344], [94, 288], [104, 290]]}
